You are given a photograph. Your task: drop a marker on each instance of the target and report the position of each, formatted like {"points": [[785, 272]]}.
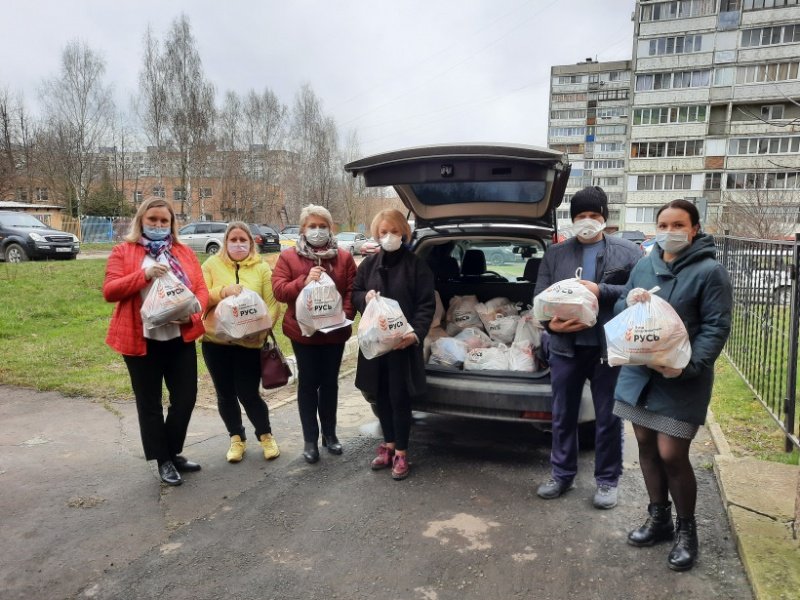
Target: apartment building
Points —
{"points": [[588, 120], [716, 114]]}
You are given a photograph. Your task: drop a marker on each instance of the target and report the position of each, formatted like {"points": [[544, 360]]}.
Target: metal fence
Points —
{"points": [[107, 229], [763, 345]]}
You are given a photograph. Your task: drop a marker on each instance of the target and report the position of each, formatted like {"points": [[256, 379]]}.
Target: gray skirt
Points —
{"points": [[638, 415]]}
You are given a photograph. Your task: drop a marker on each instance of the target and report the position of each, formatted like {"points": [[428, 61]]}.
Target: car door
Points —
{"points": [[186, 235]]}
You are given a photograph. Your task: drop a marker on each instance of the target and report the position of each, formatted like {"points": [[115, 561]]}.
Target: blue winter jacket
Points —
{"points": [[614, 264], [699, 289]]}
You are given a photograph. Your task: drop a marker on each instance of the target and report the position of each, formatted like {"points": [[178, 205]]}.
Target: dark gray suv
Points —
{"points": [[24, 237]]}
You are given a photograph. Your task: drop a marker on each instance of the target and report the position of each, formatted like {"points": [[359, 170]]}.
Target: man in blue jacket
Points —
{"points": [[578, 352]]}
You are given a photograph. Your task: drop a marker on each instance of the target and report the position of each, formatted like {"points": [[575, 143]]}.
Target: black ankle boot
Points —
{"points": [[332, 443], [657, 528], [684, 552], [311, 452]]}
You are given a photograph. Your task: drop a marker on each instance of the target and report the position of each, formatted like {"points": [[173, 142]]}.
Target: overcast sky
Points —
{"points": [[402, 73]]}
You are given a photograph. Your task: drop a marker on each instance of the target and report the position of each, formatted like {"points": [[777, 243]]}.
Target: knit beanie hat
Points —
{"points": [[591, 198]]}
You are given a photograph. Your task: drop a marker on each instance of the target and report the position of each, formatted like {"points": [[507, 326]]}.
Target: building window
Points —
{"points": [[179, 193], [606, 181], [569, 97], [713, 181], [671, 149], [679, 9], [611, 129], [765, 145], [568, 114], [774, 180], [22, 194], [668, 181], [205, 192], [782, 71], [769, 36], [137, 196], [612, 111], [762, 4], [609, 147], [669, 114], [640, 214], [613, 95], [563, 79], [158, 191], [604, 164], [772, 111], [672, 80], [41, 193], [682, 44], [567, 131]]}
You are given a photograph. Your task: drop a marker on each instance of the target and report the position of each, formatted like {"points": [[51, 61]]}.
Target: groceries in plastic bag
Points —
{"points": [[382, 327], [499, 317], [487, 359], [529, 330], [318, 306], [168, 300], [474, 338], [567, 299], [461, 314], [433, 334], [648, 333], [448, 352], [239, 317], [521, 357]]}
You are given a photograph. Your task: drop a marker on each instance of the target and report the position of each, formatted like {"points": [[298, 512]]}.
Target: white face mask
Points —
{"points": [[673, 241], [587, 228], [318, 237], [391, 242], [237, 250]]}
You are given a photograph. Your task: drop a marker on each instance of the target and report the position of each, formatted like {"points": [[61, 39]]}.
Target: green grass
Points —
{"points": [[97, 246], [53, 326], [748, 427]]}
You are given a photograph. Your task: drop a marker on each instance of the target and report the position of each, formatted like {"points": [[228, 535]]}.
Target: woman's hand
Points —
{"points": [[155, 270], [570, 326], [182, 321], [591, 286], [667, 372], [637, 295], [314, 274], [370, 295], [231, 290], [407, 340]]}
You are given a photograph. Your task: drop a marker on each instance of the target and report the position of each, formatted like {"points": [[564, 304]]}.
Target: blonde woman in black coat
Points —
{"points": [[395, 378]]}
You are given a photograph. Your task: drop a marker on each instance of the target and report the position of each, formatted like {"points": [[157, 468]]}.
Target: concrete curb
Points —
{"points": [[759, 501]]}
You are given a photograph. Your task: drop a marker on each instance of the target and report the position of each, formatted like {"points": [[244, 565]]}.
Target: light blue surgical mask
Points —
{"points": [[318, 237], [673, 241], [156, 234]]}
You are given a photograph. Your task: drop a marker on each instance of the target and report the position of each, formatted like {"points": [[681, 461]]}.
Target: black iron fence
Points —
{"points": [[763, 345]]}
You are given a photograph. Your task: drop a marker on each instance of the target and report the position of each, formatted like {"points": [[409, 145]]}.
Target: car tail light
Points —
{"points": [[537, 415], [258, 239]]}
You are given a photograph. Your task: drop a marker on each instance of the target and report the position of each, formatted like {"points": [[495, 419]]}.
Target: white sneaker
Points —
{"points": [[605, 497]]}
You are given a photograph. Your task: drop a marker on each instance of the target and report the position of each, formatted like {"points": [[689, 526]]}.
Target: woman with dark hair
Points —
{"points": [[235, 368], [319, 356], [394, 378], [667, 406], [161, 355]]}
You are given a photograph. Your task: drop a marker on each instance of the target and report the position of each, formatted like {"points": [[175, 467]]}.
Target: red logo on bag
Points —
{"points": [[383, 323], [628, 334], [235, 311]]}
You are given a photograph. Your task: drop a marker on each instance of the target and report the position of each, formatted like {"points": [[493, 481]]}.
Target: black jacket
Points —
{"points": [[403, 277]]}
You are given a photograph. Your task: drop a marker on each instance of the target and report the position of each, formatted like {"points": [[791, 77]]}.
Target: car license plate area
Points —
{"points": [[63, 249]]}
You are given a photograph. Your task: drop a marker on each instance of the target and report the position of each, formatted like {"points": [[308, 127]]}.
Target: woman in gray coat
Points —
{"points": [[666, 405], [394, 378]]}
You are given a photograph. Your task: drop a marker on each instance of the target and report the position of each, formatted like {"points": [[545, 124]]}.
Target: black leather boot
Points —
{"points": [[332, 443], [657, 528], [310, 452], [684, 552]]}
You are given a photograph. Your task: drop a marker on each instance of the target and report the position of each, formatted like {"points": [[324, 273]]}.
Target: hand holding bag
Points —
{"points": [[275, 371]]}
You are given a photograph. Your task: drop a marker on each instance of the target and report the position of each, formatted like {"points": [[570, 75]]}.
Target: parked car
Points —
{"points": [[637, 237], [267, 239], [24, 237], [290, 232], [208, 236], [760, 275], [466, 199], [351, 241]]}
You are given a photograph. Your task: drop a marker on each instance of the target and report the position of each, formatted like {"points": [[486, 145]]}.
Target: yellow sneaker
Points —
{"points": [[270, 446], [236, 451]]}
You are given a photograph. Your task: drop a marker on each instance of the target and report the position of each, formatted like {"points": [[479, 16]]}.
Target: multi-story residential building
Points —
{"points": [[588, 120], [715, 116]]}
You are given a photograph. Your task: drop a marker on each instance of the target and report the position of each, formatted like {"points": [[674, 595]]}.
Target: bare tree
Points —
{"points": [[758, 213], [79, 112], [352, 189], [151, 103], [189, 105]]}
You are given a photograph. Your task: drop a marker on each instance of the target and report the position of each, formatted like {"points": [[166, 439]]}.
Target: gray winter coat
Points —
{"points": [[614, 264], [699, 289]]}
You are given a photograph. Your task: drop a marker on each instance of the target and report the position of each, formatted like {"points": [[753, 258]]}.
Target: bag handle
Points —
{"points": [[271, 336]]}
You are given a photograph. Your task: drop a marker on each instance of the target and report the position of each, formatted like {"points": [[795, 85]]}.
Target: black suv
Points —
{"points": [[24, 237]]}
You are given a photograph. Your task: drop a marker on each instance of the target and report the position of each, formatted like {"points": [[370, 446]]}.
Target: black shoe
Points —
{"points": [[311, 452], [684, 552], [169, 474], [332, 443], [657, 528], [183, 465]]}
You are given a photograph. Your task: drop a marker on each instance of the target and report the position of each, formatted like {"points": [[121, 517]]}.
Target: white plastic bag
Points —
{"points": [[474, 338], [520, 357], [487, 359], [503, 328], [648, 333], [448, 352], [237, 317], [529, 330], [168, 300], [319, 305], [382, 326], [567, 299], [461, 314]]}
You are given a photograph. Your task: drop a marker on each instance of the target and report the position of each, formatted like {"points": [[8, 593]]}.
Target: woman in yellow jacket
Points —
{"points": [[235, 367]]}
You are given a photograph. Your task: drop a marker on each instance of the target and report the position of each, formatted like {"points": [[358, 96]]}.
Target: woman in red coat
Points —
{"points": [[161, 354], [318, 356]]}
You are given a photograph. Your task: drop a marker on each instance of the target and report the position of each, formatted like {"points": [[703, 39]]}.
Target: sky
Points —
{"points": [[401, 73]]}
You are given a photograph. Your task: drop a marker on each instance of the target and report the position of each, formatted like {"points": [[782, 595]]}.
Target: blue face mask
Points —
{"points": [[156, 234]]}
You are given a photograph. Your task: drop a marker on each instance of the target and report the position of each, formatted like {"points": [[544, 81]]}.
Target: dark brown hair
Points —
{"points": [[694, 214]]}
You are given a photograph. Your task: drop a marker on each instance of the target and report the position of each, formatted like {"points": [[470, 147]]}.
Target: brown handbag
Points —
{"points": [[275, 371]]}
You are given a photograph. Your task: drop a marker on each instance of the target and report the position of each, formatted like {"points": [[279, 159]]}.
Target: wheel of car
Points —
{"points": [[15, 254], [212, 248], [782, 296], [496, 258]]}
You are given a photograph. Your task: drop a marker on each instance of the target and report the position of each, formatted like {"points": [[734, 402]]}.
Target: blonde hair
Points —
{"points": [[244, 227], [135, 232], [317, 211], [395, 218]]}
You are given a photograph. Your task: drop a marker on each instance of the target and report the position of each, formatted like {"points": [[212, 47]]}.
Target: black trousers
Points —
{"points": [[236, 373], [394, 408], [174, 363], [318, 387]]}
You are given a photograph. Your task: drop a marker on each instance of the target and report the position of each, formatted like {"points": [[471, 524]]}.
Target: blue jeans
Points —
{"points": [[567, 376]]}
